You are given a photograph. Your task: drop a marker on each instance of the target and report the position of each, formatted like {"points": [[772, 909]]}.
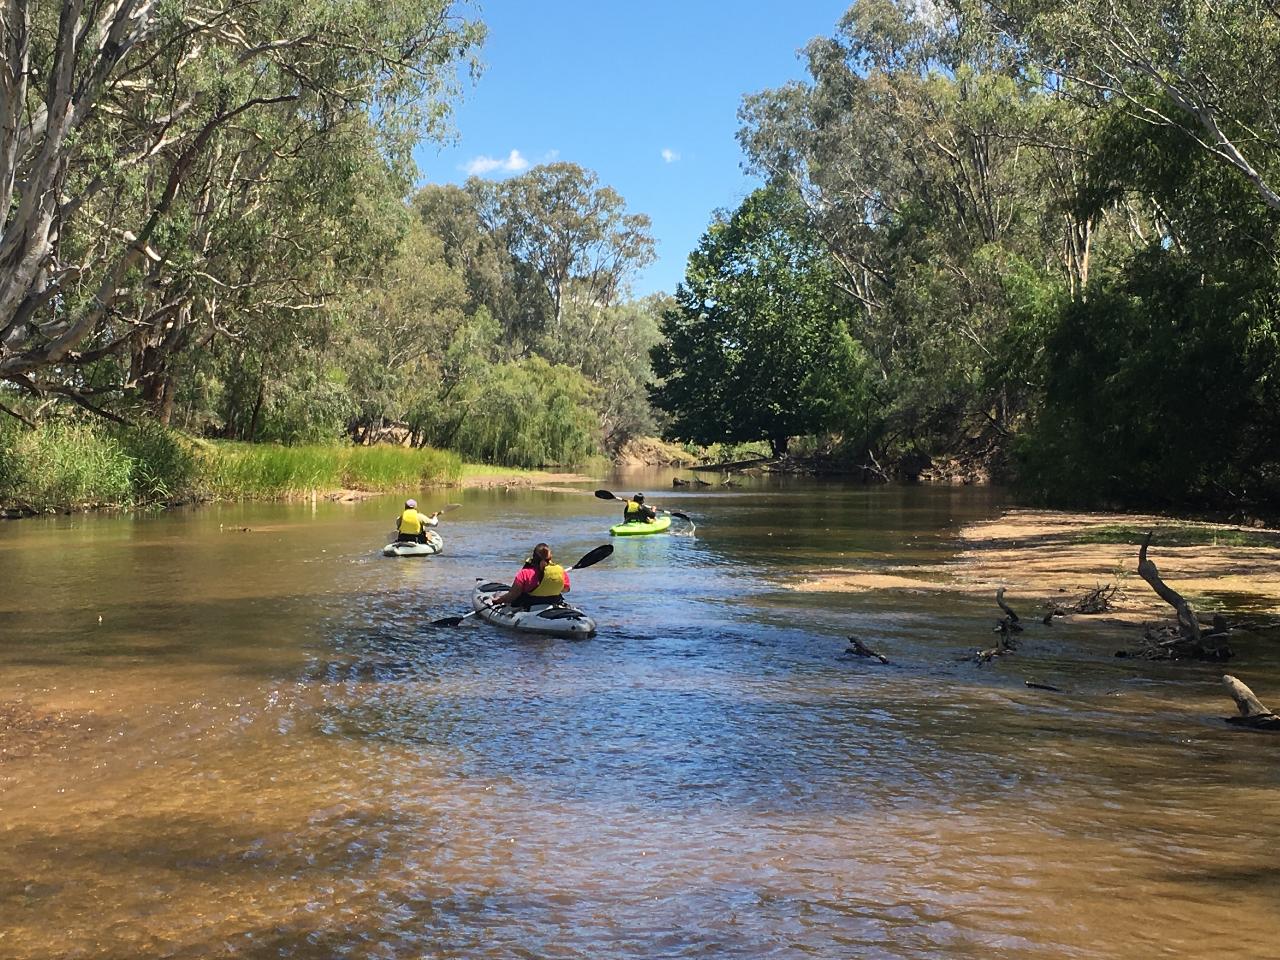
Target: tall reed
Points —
{"points": [[265, 471]]}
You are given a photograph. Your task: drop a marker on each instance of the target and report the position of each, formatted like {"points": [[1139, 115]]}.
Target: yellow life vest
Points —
{"points": [[410, 522], [633, 511], [552, 584]]}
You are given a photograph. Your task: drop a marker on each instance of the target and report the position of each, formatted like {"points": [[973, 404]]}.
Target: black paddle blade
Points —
{"points": [[447, 621], [606, 495], [593, 556], [682, 516]]}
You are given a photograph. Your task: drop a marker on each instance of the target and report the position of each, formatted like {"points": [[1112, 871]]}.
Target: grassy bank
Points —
{"points": [[71, 466], [245, 470]]}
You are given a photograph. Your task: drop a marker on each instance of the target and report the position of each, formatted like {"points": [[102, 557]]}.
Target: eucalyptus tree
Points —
{"points": [[937, 171], [564, 231], [611, 347], [1206, 70], [756, 346], [396, 334], [161, 164]]}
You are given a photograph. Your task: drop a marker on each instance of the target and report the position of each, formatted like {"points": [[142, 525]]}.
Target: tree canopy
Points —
{"points": [[755, 347]]}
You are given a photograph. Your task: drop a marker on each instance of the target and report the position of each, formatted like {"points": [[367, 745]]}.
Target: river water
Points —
{"points": [[230, 732]]}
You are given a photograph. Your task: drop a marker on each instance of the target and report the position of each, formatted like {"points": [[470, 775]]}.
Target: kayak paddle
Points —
{"points": [[606, 495], [588, 559]]}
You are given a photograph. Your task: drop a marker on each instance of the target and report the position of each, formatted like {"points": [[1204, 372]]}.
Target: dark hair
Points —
{"points": [[540, 552], [639, 498]]}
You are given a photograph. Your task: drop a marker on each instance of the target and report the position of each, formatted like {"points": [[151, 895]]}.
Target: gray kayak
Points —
{"points": [[408, 548], [559, 620]]}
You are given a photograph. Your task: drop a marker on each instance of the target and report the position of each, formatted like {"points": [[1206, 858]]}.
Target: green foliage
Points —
{"points": [[756, 346], [220, 178], [234, 470], [163, 468], [68, 464], [1164, 388], [528, 413]]}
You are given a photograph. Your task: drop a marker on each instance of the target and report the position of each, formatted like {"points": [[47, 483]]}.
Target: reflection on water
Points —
{"points": [[263, 750]]}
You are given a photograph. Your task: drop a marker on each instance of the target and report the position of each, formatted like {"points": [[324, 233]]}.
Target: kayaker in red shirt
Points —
{"points": [[540, 580]]}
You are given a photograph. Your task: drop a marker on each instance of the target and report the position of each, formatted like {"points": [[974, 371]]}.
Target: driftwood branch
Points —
{"points": [[1186, 639], [1186, 616], [1252, 713], [1008, 611], [858, 648], [1097, 600]]}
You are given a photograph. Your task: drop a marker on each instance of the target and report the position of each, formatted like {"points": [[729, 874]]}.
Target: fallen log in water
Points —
{"points": [[1253, 714], [737, 464]]}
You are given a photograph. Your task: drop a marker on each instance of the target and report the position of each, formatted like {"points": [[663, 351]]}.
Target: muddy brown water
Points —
{"points": [[229, 742]]}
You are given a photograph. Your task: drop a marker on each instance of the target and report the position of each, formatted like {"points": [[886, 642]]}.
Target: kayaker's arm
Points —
{"points": [[509, 597], [517, 590]]}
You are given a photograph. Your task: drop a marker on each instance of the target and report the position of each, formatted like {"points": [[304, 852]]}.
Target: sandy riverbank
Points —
{"points": [[1043, 556]]}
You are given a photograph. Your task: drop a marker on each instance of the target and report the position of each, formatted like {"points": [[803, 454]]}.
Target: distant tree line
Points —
{"points": [[1040, 234]]}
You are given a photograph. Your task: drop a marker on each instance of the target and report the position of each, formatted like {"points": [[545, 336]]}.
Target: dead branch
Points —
{"points": [[1006, 644], [1252, 713], [1188, 641], [860, 649], [1097, 600], [1013, 617]]}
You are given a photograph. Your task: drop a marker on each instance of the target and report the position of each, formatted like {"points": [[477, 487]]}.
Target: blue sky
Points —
{"points": [[611, 86]]}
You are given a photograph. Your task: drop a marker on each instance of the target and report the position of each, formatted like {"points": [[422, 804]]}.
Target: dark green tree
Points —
{"points": [[756, 347]]}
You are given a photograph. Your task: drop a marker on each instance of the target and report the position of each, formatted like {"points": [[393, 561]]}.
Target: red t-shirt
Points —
{"points": [[527, 579]]}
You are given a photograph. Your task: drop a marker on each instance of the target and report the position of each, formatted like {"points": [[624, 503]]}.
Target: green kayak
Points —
{"points": [[635, 529]]}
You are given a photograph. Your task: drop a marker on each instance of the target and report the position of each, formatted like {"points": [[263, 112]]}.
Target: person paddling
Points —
{"points": [[635, 511], [411, 526], [540, 580]]}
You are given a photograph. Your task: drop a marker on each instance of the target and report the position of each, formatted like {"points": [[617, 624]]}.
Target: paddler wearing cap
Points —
{"points": [[411, 526]]}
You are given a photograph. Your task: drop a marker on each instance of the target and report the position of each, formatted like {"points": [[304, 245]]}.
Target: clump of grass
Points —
{"points": [[69, 464], [64, 465], [267, 471], [232, 470], [1179, 535], [394, 468], [163, 466]]}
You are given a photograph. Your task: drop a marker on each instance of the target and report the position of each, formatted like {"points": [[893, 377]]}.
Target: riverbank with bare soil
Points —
{"points": [[1049, 558], [490, 477]]}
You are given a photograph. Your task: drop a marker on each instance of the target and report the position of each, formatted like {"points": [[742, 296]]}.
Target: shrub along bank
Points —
{"points": [[65, 465]]}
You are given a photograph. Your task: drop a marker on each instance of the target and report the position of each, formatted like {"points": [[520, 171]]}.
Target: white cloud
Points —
{"points": [[669, 155], [479, 166]]}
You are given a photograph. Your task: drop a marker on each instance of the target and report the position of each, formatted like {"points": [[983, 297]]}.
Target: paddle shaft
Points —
{"points": [[609, 495]]}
